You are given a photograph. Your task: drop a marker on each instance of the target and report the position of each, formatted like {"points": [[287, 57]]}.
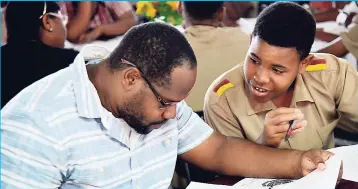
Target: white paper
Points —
{"points": [[317, 179], [331, 27], [256, 183], [349, 155], [326, 179], [197, 185]]}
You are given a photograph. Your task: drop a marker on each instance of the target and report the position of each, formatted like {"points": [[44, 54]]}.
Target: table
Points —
{"points": [[229, 181]]}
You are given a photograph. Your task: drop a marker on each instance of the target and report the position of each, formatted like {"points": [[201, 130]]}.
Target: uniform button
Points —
{"points": [[101, 170], [167, 141]]}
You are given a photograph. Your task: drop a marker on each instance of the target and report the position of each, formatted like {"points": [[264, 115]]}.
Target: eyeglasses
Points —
{"points": [[162, 102], [57, 15]]}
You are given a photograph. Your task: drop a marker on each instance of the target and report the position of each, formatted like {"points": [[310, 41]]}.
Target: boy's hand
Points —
{"points": [[276, 125]]}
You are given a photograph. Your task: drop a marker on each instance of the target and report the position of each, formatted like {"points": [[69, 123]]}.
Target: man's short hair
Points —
{"points": [[286, 24], [156, 48], [200, 10]]}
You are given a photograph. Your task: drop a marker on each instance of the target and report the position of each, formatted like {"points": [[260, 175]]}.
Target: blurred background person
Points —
{"points": [[35, 39], [237, 10], [346, 42], [343, 17], [217, 48], [326, 11], [89, 21]]}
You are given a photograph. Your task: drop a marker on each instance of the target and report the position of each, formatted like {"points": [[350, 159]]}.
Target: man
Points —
{"points": [[120, 122], [89, 21], [217, 48], [281, 84]]}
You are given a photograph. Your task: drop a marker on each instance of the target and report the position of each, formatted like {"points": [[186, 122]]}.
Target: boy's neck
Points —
{"points": [[211, 22], [284, 100]]}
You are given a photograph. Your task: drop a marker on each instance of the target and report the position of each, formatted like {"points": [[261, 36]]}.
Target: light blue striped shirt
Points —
{"points": [[56, 134]]}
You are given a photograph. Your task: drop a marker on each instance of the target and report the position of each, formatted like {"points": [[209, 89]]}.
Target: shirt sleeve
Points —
{"points": [[192, 129], [350, 40], [63, 7], [119, 8], [219, 116], [30, 156], [347, 98]]}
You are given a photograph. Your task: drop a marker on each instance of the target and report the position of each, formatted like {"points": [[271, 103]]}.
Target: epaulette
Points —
{"points": [[222, 87], [316, 65]]}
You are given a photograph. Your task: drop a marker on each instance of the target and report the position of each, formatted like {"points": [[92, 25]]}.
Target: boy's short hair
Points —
{"points": [[286, 24]]}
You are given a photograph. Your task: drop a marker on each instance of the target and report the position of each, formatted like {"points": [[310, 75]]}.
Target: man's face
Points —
{"points": [[143, 111], [270, 70]]}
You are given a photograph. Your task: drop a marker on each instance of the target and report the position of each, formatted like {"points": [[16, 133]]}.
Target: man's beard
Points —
{"points": [[132, 113], [134, 121]]}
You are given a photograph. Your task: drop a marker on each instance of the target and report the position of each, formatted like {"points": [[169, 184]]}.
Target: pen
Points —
{"points": [[289, 130]]}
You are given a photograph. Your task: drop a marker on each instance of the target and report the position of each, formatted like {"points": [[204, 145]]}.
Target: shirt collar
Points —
{"points": [[87, 99], [202, 33], [300, 94]]}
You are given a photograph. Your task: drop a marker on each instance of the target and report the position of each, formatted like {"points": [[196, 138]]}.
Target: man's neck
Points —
{"points": [[213, 23], [93, 71]]}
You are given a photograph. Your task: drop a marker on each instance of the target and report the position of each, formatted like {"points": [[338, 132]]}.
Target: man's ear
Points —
{"points": [[304, 63], [131, 78]]}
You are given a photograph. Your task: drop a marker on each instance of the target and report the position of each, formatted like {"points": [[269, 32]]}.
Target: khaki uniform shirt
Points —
{"points": [[350, 38], [217, 50], [327, 94]]}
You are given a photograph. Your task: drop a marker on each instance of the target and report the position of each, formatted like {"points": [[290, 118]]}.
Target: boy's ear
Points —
{"points": [[304, 63]]}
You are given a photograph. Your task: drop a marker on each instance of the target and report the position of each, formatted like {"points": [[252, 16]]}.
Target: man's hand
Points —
{"points": [[276, 125], [313, 159], [90, 36]]}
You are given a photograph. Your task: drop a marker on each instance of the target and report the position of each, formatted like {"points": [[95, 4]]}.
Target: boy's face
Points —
{"points": [[270, 70]]}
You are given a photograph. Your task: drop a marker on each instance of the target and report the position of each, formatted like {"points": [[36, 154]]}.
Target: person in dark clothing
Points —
{"points": [[35, 46]]}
